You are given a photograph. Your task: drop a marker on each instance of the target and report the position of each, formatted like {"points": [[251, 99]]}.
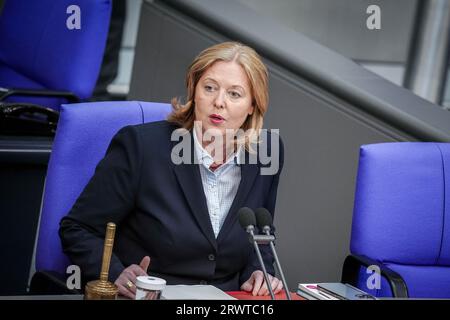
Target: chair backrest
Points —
{"points": [[402, 213], [42, 46], [83, 135]]}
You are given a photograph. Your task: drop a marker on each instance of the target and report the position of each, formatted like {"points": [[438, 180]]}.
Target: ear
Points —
{"points": [[252, 109]]}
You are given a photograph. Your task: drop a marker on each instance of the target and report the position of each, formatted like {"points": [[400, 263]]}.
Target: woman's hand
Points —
{"points": [[127, 279], [258, 286]]}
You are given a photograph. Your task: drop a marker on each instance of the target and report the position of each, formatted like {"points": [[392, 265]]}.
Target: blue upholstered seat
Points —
{"points": [[83, 135], [401, 217], [39, 51]]}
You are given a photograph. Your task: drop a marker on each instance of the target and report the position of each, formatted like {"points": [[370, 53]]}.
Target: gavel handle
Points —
{"points": [[107, 250]]}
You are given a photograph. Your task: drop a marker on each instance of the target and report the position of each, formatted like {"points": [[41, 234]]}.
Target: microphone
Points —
{"points": [[248, 221], [264, 219]]}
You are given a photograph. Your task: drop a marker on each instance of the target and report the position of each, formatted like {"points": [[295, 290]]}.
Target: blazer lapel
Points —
{"points": [[191, 183], [248, 176], [189, 178]]}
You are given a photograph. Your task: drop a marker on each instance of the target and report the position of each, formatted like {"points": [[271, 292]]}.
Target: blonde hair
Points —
{"points": [[183, 114]]}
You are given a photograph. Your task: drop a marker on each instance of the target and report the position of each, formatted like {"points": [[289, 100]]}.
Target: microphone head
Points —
{"points": [[263, 218], [246, 217]]}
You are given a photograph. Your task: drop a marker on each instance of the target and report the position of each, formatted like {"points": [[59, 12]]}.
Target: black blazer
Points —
{"points": [[160, 210]]}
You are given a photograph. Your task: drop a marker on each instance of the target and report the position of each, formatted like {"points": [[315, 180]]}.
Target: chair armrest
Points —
{"points": [[351, 267], [50, 282], [8, 92], [19, 118]]}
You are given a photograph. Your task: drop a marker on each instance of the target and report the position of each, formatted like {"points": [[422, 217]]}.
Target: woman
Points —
{"points": [[183, 217]]}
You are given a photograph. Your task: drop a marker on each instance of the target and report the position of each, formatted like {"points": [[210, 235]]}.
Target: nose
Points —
{"points": [[219, 101]]}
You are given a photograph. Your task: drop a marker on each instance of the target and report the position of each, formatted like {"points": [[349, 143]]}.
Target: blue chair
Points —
{"points": [[45, 62], [401, 221], [83, 135]]}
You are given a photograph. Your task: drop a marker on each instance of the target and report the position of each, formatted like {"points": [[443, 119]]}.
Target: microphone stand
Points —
{"points": [[252, 238], [277, 261]]}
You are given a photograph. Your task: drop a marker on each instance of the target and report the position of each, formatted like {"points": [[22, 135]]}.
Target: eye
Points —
{"points": [[235, 94], [208, 88]]}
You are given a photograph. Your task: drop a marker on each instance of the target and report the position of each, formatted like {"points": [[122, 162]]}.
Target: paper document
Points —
{"points": [[196, 292]]}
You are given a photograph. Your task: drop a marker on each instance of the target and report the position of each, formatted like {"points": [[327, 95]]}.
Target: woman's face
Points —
{"points": [[223, 98]]}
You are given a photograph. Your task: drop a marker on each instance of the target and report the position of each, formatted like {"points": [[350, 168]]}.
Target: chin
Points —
{"points": [[215, 130]]}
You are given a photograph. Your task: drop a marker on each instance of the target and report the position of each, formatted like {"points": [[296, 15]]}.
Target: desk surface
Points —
{"points": [[243, 295], [45, 297], [240, 295]]}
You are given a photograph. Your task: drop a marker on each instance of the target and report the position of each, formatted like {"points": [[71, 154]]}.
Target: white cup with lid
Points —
{"points": [[149, 288]]}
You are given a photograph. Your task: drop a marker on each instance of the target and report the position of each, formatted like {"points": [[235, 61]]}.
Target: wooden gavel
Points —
{"points": [[103, 289]]}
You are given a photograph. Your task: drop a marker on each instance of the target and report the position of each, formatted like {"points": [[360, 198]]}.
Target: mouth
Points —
{"points": [[215, 118]]}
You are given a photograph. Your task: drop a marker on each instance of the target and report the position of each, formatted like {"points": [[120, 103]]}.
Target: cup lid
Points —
{"points": [[150, 283]]}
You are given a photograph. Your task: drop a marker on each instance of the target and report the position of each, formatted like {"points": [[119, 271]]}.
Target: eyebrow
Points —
{"points": [[234, 86], [238, 87], [210, 79]]}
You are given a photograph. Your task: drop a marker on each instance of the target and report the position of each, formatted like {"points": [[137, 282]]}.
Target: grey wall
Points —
{"points": [[341, 25], [322, 135]]}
